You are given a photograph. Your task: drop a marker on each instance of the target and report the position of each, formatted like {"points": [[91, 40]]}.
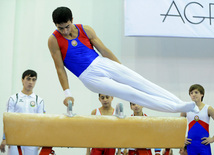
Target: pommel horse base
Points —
{"points": [[50, 130]]}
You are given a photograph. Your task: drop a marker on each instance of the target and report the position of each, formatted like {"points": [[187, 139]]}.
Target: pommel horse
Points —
{"points": [[51, 130]]}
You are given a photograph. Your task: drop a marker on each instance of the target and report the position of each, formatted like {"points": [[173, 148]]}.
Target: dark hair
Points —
{"points": [[30, 73], [199, 88], [62, 15]]}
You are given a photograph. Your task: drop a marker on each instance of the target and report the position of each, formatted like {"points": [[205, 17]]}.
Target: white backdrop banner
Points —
{"points": [[174, 18]]}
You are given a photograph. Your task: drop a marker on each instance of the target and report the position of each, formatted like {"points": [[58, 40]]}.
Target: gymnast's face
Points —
{"points": [[105, 100], [196, 95], [136, 108], [28, 83], [65, 28]]}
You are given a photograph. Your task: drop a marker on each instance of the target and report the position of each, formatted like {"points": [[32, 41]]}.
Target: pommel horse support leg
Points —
{"points": [[94, 131]]}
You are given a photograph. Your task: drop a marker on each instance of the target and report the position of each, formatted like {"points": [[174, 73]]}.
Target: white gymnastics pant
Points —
{"points": [[26, 150], [111, 78]]}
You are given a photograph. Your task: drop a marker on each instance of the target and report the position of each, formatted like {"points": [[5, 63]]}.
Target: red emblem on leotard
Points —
{"points": [[74, 43], [196, 118]]}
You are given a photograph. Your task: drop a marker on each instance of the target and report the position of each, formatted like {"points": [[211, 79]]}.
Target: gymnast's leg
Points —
{"points": [[13, 150], [122, 74], [31, 150], [125, 92], [117, 80]]}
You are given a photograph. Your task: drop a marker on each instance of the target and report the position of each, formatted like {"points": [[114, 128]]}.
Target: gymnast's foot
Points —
{"points": [[195, 109], [188, 107]]}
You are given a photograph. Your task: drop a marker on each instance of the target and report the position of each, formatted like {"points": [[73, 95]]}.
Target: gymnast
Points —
{"points": [[72, 45], [105, 109], [138, 111], [198, 139], [24, 102]]}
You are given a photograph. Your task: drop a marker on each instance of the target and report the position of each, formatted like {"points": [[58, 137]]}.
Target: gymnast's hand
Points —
{"points": [[68, 99], [187, 141], [2, 147], [207, 140]]}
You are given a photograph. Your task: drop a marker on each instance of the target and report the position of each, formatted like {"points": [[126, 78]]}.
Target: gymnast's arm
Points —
{"points": [[98, 44], [2, 146], [11, 104], [10, 108], [59, 65], [208, 140], [187, 140], [183, 114]]}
